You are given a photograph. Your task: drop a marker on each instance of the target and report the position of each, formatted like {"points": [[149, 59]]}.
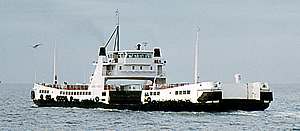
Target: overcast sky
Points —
{"points": [[258, 39]]}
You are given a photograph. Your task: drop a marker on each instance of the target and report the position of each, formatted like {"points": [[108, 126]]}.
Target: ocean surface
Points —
{"points": [[18, 112]]}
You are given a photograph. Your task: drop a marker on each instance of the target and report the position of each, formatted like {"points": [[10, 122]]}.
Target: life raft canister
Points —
{"points": [[32, 95], [71, 98], [41, 96]]}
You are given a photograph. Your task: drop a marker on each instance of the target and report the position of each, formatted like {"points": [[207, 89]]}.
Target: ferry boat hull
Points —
{"points": [[228, 105], [210, 104]]}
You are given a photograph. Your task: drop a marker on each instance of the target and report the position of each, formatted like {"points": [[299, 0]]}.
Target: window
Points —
{"points": [[132, 67], [102, 99], [188, 92], [184, 92], [158, 93], [134, 56], [60, 92], [80, 93], [140, 56], [180, 92], [40, 91], [154, 93], [141, 67], [151, 68], [103, 93], [176, 92], [83, 93], [129, 56], [90, 93], [120, 67], [150, 93]]}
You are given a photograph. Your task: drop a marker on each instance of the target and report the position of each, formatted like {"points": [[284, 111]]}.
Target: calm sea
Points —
{"points": [[18, 112]]}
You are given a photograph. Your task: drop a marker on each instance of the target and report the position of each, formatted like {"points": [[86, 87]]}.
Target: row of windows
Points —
{"points": [[182, 92], [77, 86], [152, 93], [139, 56], [44, 91], [75, 93], [136, 67], [130, 56]]}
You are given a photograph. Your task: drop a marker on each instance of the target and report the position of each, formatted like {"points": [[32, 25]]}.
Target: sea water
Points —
{"points": [[18, 112]]}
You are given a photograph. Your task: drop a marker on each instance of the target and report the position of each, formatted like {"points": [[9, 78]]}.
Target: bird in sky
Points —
{"points": [[36, 45]]}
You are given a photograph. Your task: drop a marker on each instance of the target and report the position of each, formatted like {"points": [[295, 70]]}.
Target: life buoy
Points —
{"points": [[97, 99], [148, 99], [32, 95]]}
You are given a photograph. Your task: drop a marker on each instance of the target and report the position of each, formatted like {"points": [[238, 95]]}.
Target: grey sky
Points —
{"points": [[259, 39]]}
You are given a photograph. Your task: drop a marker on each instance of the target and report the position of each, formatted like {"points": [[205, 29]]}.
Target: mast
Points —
{"points": [[54, 65], [196, 56], [117, 33]]}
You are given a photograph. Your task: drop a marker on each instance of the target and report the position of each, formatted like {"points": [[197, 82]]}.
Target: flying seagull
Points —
{"points": [[36, 45]]}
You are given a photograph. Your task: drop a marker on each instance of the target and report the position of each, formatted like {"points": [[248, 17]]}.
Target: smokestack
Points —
{"points": [[138, 46]]}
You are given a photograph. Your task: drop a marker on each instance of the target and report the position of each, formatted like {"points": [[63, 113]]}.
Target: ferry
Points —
{"points": [[135, 80]]}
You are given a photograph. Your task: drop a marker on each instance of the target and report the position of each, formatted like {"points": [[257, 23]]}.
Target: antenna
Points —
{"points": [[117, 33], [196, 57], [117, 14], [145, 44], [84, 76], [54, 65], [35, 74]]}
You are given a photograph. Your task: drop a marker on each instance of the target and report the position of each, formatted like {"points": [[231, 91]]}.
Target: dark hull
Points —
{"points": [[223, 105]]}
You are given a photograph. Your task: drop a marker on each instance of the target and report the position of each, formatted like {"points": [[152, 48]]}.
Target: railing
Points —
{"points": [[144, 87], [66, 87]]}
